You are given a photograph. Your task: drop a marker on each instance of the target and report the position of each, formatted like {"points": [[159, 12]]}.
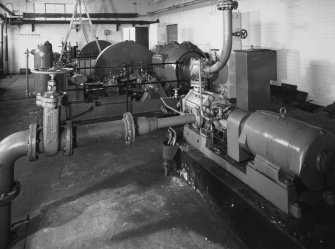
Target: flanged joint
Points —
{"points": [[68, 148], [32, 141], [129, 128], [9, 196], [227, 5]]}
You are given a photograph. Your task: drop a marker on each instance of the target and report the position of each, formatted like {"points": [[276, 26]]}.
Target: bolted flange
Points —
{"points": [[129, 128], [32, 141], [68, 149], [227, 5]]}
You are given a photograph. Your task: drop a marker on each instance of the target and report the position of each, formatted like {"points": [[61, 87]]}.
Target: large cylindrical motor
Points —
{"points": [[296, 147], [176, 53], [43, 58]]}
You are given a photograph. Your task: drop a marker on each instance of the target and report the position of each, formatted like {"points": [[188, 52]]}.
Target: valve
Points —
{"points": [[50, 101], [243, 33]]}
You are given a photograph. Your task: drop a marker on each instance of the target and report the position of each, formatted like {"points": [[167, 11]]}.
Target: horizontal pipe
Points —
{"points": [[11, 148], [2, 6], [178, 6], [118, 22], [69, 15], [175, 121], [100, 132], [146, 125]]}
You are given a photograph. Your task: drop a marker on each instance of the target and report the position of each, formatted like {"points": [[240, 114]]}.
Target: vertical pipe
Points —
{"points": [[227, 42], [11, 148], [1, 46], [6, 49], [27, 75]]}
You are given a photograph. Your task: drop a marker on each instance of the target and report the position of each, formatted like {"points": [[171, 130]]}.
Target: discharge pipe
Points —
{"points": [[227, 6]]}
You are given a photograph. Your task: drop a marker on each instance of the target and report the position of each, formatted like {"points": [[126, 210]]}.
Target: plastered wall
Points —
{"points": [[301, 31]]}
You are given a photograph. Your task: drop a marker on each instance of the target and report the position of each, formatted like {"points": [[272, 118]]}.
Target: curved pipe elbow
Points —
{"points": [[227, 44], [11, 148]]}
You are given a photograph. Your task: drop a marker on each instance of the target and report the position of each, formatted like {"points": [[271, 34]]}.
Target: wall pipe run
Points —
{"points": [[97, 21], [69, 15], [30, 143], [227, 7]]}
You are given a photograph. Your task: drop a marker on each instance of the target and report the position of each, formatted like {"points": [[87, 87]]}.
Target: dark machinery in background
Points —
{"points": [[279, 157]]}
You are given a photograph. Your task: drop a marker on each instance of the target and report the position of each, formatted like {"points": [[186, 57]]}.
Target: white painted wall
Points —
{"points": [[22, 38], [301, 32]]}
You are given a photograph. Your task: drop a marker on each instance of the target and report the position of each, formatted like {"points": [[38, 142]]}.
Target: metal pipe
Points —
{"points": [[117, 22], [69, 15], [6, 50], [2, 6], [113, 130], [100, 132], [1, 46], [178, 6], [11, 148], [170, 107], [227, 37], [175, 121]]}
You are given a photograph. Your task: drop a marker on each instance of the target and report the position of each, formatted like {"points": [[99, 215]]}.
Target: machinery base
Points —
{"points": [[260, 224], [282, 195]]}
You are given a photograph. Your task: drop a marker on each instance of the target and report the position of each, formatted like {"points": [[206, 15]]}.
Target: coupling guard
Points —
{"points": [[9, 196]]}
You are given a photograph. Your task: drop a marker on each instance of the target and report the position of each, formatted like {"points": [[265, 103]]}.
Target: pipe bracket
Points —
{"points": [[32, 141], [5, 198], [129, 128]]}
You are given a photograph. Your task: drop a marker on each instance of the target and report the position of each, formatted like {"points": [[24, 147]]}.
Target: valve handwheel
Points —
{"points": [[244, 33]]}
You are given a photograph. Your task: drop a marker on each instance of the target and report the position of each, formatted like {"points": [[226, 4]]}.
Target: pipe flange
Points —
{"points": [[6, 198], [227, 5], [68, 150], [129, 128], [32, 141]]}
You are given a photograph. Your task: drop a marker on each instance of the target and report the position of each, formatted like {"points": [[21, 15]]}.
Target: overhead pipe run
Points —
{"points": [[117, 22], [178, 6], [69, 15]]}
